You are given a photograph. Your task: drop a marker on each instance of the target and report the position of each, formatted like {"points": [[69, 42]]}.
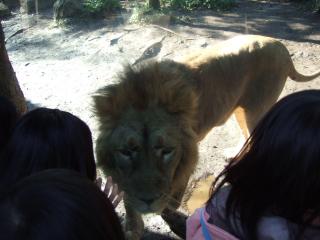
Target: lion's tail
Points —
{"points": [[298, 77]]}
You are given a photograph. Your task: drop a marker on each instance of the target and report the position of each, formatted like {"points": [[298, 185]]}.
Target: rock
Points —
{"points": [[4, 11], [204, 45], [162, 20], [67, 9], [11, 4], [29, 6]]}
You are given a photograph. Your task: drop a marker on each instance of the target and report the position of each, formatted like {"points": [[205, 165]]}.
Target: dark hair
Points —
{"points": [[57, 204], [8, 119], [278, 169], [48, 138]]}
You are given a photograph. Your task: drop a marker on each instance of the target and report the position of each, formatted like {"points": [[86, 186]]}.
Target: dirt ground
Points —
{"points": [[61, 67]]}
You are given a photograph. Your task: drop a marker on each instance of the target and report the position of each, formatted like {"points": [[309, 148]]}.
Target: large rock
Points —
{"points": [[11, 3], [67, 9], [4, 11], [29, 6]]}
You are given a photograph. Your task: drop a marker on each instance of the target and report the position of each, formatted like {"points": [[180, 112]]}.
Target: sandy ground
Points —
{"points": [[61, 67]]}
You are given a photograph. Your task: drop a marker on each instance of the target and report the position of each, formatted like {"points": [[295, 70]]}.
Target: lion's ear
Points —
{"points": [[100, 105], [105, 102]]}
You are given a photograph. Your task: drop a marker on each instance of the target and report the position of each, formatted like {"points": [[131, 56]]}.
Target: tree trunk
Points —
{"points": [[9, 85], [154, 4]]}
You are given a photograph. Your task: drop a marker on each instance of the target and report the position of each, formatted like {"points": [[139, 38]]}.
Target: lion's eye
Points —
{"points": [[129, 153], [125, 153], [167, 151], [124, 159], [167, 154]]}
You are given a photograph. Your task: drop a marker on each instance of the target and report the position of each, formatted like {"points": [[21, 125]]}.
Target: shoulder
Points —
{"points": [[218, 213], [218, 202], [273, 227]]}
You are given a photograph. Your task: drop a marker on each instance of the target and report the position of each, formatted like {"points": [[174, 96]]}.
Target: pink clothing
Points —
{"points": [[195, 231], [269, 227]]}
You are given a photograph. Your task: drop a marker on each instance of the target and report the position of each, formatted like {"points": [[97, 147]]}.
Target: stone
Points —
{"points": [[29, 6], [67, 9], [11, 4], [4, 11]]}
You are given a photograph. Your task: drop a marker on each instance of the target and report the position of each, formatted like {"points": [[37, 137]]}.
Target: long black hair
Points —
{"points": [[278, 169], [48, 138], [8, 119], [57, 204]]}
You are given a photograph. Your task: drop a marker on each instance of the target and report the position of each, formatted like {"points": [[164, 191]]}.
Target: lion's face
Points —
{"points": [[146, 152], [147, 141]]}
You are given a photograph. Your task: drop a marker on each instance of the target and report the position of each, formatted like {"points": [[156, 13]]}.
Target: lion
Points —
{"points": [[152, 120]]}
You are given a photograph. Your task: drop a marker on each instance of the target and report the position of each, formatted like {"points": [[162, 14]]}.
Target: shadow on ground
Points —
{"points": [[275, 19]]}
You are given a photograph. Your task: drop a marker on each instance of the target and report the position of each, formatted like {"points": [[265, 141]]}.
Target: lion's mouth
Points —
{"points": [[151, 205], [149, 201]]}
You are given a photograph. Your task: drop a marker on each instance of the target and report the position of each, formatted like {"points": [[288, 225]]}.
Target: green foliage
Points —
{"points": [[101, 6], [139, 12], [310, 5], [4, 11], [315, 5], [220, 5], [142, 13]]}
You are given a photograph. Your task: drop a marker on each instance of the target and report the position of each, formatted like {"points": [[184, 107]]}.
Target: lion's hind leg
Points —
{"points": [[241, 120], [240, 131], [254, 113], [246, 120], [262, 95]]}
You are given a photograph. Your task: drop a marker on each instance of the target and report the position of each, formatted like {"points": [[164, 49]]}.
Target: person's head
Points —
{"points": [[48, 138], [57, 204], [8, 119], [277, 171]]}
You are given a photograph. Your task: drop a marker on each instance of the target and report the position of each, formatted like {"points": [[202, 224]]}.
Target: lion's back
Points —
{"points": [[237, 46]]}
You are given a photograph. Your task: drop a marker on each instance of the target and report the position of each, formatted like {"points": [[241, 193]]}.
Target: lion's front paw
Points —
{"points": [[132, 235], [134, 230], [134, 224], [176, 222]]}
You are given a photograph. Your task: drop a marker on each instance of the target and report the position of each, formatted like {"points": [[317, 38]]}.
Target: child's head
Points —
{"points": [[278, 169], [57, 204], [48, 138], [8, 118]]}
